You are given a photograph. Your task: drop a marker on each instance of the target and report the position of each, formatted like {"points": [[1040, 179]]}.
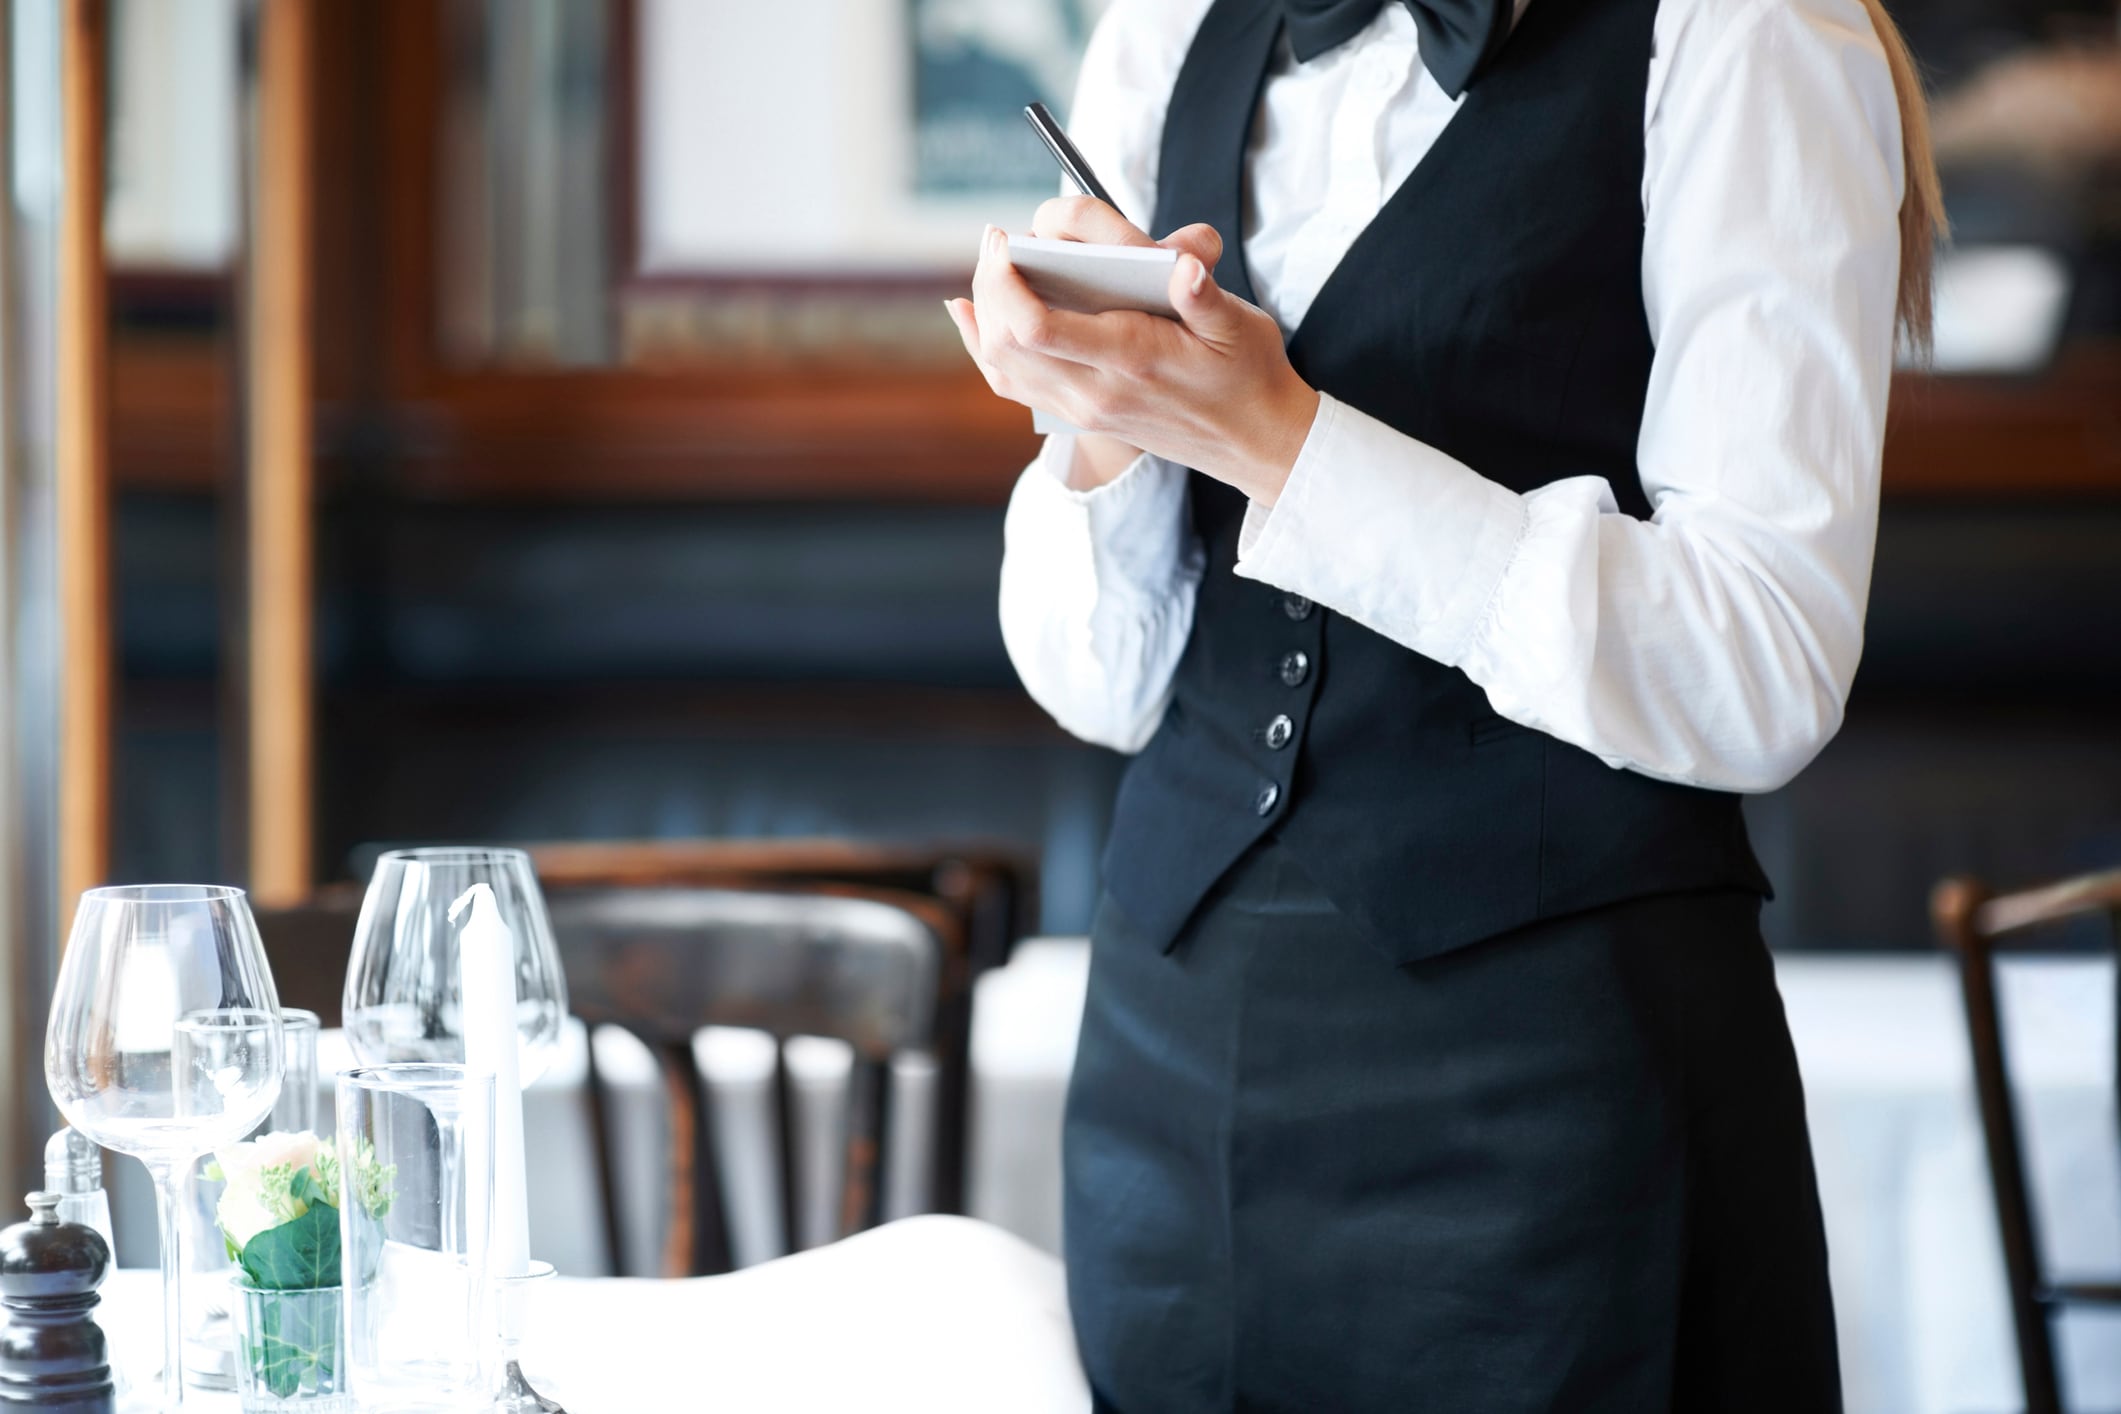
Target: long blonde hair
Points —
{"points": [[1922, 219]]}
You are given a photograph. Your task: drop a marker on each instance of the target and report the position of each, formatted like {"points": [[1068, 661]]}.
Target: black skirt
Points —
{"points": [[1562, 1170]]}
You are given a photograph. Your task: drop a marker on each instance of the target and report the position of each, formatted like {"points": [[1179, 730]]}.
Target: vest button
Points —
{"points": [[1295, 667], [1296, 607], [1269, 796], [1279, 731]]}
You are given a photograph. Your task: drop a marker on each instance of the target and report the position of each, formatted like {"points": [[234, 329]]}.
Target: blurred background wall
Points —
{"points": [[654, 497]]}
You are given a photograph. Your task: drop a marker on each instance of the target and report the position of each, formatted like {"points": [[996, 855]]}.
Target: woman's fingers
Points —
{"points": [[1214, 315], [1013, 318], [1085, 218], [1045, 381], [1199, 240], [966, 318]]}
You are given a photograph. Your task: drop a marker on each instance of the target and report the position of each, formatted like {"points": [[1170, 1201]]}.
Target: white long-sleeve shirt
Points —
{"points": [[1713, 644]]}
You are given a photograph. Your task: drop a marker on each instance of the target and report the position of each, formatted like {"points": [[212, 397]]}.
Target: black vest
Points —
{"points": [[1493, 310]]}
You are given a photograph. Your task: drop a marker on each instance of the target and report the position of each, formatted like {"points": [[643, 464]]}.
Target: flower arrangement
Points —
{"points": [[279, 1216]]}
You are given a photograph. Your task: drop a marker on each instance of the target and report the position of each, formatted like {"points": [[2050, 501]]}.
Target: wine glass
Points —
{"points": [[404, 998], [165, 1043]]}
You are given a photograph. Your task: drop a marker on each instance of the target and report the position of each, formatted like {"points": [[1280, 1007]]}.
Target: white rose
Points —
{"points": [[298, 1150], [239, 1165], [243, 1215]]}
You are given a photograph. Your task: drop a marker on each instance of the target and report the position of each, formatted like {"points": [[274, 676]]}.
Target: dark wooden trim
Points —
{"points": [[798, 434], [172, 411], [2055, 434], [1953, 909], [786, 1149], [775, 434], [604, 1139], [2055, 903], [868, 1131], [622, 153], [697, 1243]]}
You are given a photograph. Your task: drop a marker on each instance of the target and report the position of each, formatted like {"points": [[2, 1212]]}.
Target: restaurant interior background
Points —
{"points": [[534, 420]]}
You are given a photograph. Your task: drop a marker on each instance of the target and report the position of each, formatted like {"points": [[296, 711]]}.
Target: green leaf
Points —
{"points": [[306, 1188], [296, 1255], [297, 1339]]}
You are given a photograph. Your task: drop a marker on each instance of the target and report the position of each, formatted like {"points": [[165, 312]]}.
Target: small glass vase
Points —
{"points": [[287, 1349]]}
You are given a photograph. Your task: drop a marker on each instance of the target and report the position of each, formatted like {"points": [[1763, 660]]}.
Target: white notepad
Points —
{"points": [[1092, 279]]}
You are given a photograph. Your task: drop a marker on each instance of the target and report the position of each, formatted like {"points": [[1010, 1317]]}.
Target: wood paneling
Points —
{"points": [[2054, 433], [83, 462], [170, 405], [280, 535], [707, 435]]}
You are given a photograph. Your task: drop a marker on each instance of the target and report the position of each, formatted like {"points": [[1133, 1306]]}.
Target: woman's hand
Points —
{"points": [[1216, 392]]}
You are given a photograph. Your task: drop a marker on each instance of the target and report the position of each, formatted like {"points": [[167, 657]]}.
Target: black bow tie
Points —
{"points": [[1458, 37]]}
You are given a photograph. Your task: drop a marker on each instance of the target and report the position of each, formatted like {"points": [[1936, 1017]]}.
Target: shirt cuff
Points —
{"points": [[1387, 530], [1132, 525]]}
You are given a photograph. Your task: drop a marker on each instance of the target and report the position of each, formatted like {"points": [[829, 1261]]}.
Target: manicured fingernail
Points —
{"points": [[1200, 274]]}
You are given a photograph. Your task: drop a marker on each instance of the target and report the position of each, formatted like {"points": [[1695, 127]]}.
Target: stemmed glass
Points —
{"points": [[404, 999], [165, 1043]]}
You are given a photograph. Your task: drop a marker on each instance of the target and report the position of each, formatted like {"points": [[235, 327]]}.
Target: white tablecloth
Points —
{"points": [[927, 1316]]}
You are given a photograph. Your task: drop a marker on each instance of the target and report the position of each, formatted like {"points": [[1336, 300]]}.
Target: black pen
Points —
{"points": [[1071, 161]]}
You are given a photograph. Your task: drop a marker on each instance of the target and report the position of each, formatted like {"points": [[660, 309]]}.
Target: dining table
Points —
{"points": [[1915, 1260], [942, 1315]]}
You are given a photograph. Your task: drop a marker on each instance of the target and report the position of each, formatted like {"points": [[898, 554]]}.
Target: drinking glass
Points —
{"points": [[404, 999], [209, 1297], [416, 1150], [164, 1043]]}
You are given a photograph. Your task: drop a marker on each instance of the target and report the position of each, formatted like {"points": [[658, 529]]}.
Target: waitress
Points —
{"points": [[1501, 509]]}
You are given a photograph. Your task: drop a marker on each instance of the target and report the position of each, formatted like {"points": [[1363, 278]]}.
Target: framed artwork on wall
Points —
{"points": [[976, 63]]}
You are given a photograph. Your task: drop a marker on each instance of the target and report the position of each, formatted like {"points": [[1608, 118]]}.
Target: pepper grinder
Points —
{"points": [[52, 1352]]}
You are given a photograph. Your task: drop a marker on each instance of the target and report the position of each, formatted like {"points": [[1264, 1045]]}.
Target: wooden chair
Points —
{"points": [[867, 967], [1975, 924], [990, 892]]}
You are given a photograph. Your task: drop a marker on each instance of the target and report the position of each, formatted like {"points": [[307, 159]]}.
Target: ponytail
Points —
{"points": [[1922, 219]]}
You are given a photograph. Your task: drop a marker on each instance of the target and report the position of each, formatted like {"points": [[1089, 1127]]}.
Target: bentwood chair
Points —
{"points": [[989, 892], [869, 968], [1976, 925]]}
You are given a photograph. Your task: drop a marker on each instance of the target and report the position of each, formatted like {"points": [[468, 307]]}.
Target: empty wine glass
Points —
{"points": [[404, 999], [164, 1043]]}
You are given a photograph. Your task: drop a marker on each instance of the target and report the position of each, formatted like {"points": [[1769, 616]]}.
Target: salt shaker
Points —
{"points": [[73, 1169], [52, 1352]]}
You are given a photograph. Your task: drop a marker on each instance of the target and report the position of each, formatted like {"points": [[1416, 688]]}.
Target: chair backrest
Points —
{"points": [[870, 968], [993, 886], [1975, 924], [307, 945], [990, 890]]}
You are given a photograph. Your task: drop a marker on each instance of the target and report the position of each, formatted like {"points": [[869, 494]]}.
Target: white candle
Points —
{"points": [[487, 956]]}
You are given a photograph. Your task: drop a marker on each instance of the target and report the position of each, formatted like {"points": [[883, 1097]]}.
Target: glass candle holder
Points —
{"points": [[209, 1343], [416, 1146], [525, 1337]]}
